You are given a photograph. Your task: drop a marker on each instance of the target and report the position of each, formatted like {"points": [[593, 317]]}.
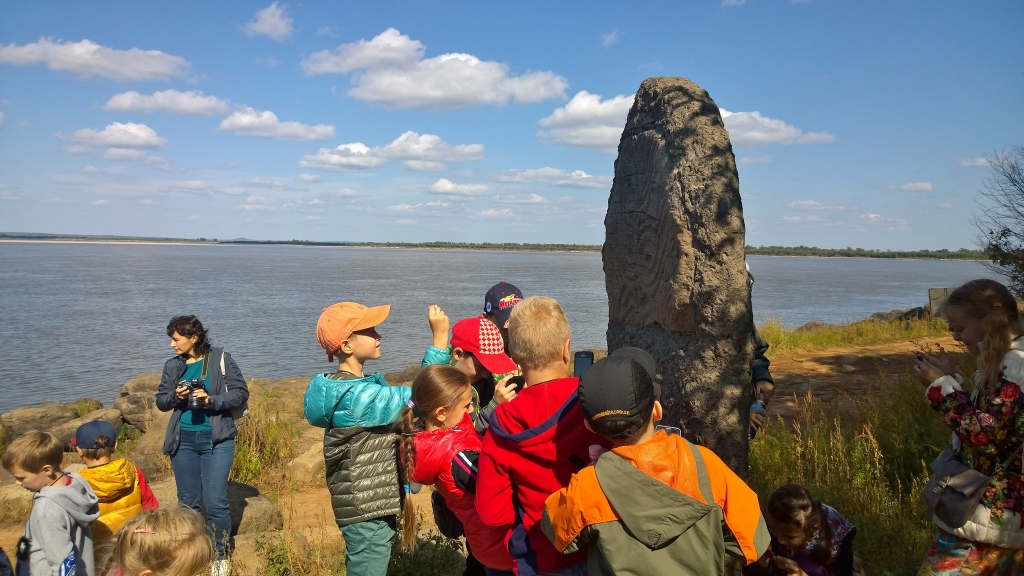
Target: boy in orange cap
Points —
{"points": [[360, 446]]}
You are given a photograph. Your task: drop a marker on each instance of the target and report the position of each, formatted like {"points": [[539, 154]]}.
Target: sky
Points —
{"points": [[863, 124]]}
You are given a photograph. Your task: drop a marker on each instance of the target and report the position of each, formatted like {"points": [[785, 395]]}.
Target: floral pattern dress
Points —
{"points": [[990, 429]]}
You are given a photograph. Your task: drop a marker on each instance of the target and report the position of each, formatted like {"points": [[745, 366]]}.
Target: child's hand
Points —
{"points": [[756, 420], [504, 391], [789, 566], [929, 368], [439, 324]]}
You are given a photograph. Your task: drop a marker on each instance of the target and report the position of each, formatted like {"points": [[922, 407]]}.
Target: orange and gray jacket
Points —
{"points": [[661, 507]]}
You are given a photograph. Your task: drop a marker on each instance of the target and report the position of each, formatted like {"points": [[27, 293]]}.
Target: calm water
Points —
{"points": [[81, 319]]}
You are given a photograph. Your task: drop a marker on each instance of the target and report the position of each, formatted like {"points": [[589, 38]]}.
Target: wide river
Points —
{"points": [[80, 319]]}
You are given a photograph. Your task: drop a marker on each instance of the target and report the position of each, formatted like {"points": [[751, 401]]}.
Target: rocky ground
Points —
{"points": [[301, 508]]}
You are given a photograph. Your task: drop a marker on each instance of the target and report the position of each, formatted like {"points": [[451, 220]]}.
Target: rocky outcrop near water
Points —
{"points": [[674, 262]]}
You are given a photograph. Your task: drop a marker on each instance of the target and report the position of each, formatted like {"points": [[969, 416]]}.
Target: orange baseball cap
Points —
{"points": [[338, 321]]}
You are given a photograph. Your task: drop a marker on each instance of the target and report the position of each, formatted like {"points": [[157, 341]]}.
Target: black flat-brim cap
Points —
{"points": [[616, 389], [645, 360]]}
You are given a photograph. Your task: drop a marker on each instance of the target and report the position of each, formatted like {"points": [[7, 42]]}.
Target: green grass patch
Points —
{"points": [[865, 332], [872, 467], [434, 555], [264, 444]]}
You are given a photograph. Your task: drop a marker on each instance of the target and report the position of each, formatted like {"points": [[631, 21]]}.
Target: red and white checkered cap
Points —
{"points": [[482, 338]]}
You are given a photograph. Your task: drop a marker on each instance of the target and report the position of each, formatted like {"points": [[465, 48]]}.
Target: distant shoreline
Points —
{"points": [[761, 251]]}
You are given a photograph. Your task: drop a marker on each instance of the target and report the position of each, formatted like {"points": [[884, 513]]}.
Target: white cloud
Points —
{"points": [[419, 151], [449, 188], [974, 162], [25, 124], [557, 177], [586, 121], [423, 165], [161, 163], [90, 169], [308, 177], [192, 102], [345, 157], [127, 135], [436, 208], [806, 205], [755, 160], [191, 185], [194, 217], [2, 116], [752, 129], [271, 21], [123, 154], [917, 187], [78, 149], [87, 59], [5, 195], [493, 213], [945, 205], [390, 70], [799, 219], [733, 2], [100, 203], [264, 123], [263, 183], [531, 198], [609, 38], [879, 219]]}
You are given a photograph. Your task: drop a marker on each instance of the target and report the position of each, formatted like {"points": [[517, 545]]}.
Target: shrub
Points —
{"points": [[264, 444]]}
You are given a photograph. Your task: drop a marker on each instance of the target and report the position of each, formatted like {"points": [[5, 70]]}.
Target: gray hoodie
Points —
{"points": [[60, 541]]}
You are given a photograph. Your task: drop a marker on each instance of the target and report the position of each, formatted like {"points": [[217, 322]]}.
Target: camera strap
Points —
{"points": [[206, 367]]}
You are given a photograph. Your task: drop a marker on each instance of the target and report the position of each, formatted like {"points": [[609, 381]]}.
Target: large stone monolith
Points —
{"points": [[673, 262]]}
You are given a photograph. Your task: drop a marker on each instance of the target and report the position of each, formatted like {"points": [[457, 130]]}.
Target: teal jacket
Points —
{"points": [[365, 402]]}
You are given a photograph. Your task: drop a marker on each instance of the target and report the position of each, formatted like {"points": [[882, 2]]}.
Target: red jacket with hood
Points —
{"points": [[533, 447], [435, 452]]}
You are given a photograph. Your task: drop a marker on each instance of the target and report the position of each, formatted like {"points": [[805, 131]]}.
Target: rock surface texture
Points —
{"points": [[674, 262]]}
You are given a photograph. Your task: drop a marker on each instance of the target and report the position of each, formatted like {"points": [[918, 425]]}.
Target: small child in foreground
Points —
{"points": [[441, 448], [121, 488], [57, 539], [808, 537], [655, 504], [169, 542], [358, 412]]}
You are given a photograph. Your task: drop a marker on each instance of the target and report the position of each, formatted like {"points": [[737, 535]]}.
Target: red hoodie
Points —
{"points": [[533, 447], [435, 451]]}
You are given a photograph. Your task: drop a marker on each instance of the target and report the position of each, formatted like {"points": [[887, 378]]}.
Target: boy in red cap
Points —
{"points": [[478, 351], [360, 445]]}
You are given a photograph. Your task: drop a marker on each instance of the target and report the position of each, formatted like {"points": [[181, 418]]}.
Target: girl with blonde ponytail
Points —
{"points": [[988, 430], [440, 447]]}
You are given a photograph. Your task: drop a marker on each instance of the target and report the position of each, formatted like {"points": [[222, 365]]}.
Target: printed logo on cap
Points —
{"points": [[487, 307], [507, 302]]}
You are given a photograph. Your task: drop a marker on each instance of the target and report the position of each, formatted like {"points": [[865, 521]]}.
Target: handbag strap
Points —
{"points": [[1010, 458]]}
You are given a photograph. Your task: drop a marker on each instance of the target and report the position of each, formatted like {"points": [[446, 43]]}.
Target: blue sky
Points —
{"points": [[854, 124]]}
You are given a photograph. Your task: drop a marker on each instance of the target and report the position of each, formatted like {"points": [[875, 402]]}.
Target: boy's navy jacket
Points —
{"points": [[58, 531], [364, 402], [222, 425]]}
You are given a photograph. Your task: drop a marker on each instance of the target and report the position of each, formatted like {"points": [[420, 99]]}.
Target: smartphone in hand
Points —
{"points": [[581, 361]]}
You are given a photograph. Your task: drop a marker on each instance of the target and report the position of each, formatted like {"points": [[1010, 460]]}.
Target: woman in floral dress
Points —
{"points": [[988, 429]]}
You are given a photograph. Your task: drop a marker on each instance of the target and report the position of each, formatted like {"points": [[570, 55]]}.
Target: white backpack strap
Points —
{"points": [[223, 372]]}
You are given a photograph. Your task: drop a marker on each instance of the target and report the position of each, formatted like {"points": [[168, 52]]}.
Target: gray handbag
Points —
{"points": [[955, 489]]}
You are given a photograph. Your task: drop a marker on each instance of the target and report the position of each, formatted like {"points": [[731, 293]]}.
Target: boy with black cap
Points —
{"points": [[654, 504], [498, 304], [121, 488]]}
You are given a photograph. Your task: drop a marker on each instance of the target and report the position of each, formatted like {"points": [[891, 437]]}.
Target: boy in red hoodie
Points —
{"points": [[535, 442]]}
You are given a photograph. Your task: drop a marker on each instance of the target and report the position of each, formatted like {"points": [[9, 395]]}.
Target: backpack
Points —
{"points": [[238, 412]]}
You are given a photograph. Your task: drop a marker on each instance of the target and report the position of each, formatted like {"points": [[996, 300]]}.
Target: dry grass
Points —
{"points": [[865, 332], [264, 445]]}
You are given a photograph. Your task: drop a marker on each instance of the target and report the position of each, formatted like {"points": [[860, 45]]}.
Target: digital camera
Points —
{"points": [[194, 402]]}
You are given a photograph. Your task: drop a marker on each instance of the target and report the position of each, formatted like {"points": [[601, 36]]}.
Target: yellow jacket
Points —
{"points": [[116, 484]]}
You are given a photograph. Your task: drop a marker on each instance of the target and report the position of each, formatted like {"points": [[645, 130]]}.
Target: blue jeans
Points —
{"points": [[201, 470], [368, 546]]}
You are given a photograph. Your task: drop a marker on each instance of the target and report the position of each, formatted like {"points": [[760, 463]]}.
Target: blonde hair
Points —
{"points": [[169, 542], [436, 386], [537, 330], [33, 450], [992, 304]]}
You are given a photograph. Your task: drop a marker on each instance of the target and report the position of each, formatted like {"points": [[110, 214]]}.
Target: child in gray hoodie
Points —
{"points": [[57, 539]]}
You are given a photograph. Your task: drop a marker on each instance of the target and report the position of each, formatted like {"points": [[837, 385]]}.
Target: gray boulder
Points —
{"points": [[21, 420], [66, 431], [137, 402], [674, 262], [251, 511]]}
